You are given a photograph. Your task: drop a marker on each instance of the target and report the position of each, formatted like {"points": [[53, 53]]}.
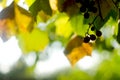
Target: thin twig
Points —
{"points": [[99, 8]]}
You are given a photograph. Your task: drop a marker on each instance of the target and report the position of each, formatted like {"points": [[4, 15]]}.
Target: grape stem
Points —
{"points": [[118, 35], [99, 8], [90, 25], [115, 3], [93, 20]]}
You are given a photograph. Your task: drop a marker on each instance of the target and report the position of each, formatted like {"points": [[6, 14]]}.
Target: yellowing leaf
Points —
{"points": [[14, 19], [34, 41], [3, 3], [63, 26], [7, 29], [43, 16], [53, 4], [23, 19], [77, 49]]}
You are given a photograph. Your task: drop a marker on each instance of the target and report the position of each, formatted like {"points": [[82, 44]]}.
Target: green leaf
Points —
{"points": [[63, 26], [100, 22], [77, 25], [3, 3], [29, 2], [39, 5], [34, 41]]}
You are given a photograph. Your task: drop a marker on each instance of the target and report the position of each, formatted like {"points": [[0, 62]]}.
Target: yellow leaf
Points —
{"points": [[3, 3], [23, 19], [34, 41], [43, 16], [14, 19], [63, 26], [7, 28], [77, 49], [53, 4]]}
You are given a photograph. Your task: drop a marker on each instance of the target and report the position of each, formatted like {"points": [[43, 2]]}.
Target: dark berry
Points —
{"points": [[92, 37], [86, 39], [77, 1], [92, 28], [94, 9], [86, 15], [82, 9], [98, 33]]}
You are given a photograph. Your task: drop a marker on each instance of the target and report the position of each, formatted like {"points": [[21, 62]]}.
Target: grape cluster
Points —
{"points": [[87, 6], [92, 37]]}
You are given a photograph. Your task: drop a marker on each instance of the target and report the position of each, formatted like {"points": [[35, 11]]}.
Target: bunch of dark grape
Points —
{"points": [[87, 6], [92, 37]]}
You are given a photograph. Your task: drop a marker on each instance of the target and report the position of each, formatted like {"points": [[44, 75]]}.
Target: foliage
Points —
{"points": [[48, 20]]}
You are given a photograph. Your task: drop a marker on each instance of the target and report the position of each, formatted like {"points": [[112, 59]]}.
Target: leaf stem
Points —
{"points": [[99, 8]]}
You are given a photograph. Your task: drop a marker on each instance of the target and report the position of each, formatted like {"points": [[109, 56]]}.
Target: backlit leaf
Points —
{"points": [[14, 19], [3, 3], [23, 18], [34, 41], [63, 26], [77, 49], [53, 4]]}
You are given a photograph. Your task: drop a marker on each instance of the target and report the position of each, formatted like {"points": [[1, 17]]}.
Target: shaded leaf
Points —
{"points": [[7, 12], [70, 7], [39, 5], [77, 49], [107, 9], [34, 41], [60, 4]]}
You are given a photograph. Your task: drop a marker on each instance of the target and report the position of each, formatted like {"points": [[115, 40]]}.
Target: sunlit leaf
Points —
{"points": [[23, 19], [63, 26], [14, 19], [34, 41], [53, 4], [3, 3], [77, 49]]}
